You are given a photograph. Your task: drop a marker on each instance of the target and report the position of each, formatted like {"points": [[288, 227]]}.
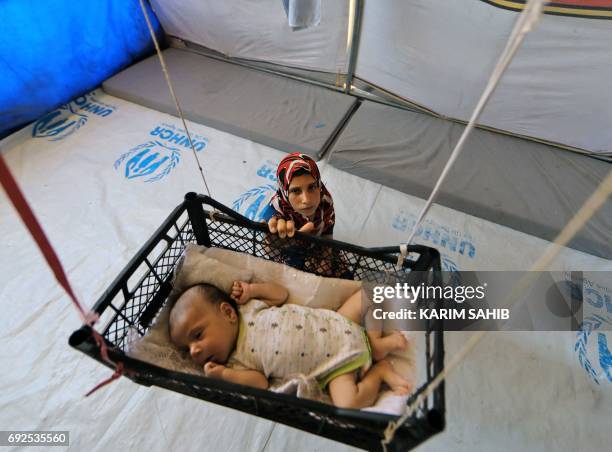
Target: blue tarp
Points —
{"points": [[54, 50]]}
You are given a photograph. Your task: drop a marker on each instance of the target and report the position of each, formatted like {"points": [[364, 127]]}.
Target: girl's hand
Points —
{"points": [[241, 292], [287, 228], [307, 228], [214, 370]]}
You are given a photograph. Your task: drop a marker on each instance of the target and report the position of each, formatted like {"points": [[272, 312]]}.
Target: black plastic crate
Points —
{"points": [[137, 295]]}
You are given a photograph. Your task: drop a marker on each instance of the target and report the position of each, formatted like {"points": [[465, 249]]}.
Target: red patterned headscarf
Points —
{"points": [[324, 217]]}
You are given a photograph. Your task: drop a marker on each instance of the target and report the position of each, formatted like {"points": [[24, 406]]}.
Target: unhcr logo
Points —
{"points": [[593, 350], [156, 158], [69, 118], [252, 203], [593, 343], [268, 171]]}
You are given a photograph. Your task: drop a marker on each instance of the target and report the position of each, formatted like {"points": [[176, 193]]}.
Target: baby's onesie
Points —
{"points": [[292, 339]]}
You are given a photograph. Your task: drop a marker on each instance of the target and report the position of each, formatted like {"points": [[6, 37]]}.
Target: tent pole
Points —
{"points": [[354, 33]]}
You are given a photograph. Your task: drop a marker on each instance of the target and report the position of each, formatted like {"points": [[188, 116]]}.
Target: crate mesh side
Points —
{"points": [[314, 258], [159, 269]]}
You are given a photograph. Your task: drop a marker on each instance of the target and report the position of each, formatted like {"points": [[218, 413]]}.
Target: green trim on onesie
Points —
{"points": [[362, 361], [365, 359]]}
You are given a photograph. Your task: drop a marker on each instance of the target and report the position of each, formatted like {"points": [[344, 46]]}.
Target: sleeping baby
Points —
{"points": [[250, 335]]}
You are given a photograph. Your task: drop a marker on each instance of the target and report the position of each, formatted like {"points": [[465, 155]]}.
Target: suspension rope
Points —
{"points": [[172, 93], [24, 210], [587, 210], [524, 24]]}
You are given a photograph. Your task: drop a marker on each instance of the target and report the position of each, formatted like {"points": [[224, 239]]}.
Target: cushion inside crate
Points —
{"points": [[304, 289]]}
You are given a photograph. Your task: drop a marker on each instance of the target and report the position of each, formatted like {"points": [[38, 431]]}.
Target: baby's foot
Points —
{"points": [[397, 341], [398, 384], [394, 342]]}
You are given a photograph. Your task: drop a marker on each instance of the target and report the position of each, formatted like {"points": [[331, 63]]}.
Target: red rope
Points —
{"points": [[27, 215], [116, 374]]}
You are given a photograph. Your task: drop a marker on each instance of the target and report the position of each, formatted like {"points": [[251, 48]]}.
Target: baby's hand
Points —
{"points": [[214, 370], [241, 292]]}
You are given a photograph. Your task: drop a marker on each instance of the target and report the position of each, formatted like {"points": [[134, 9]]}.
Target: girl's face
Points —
{"points": [[304, 194]]}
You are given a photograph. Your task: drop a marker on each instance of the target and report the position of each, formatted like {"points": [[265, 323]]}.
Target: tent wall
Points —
{"points": [[258, 30], [273, 110], [54, 50], [440, 54], [435, 53], [527, 186]]}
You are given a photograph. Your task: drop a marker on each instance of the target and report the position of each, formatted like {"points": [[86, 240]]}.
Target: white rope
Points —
{"points": [[526, 21], [588, 209], [171, 87]]}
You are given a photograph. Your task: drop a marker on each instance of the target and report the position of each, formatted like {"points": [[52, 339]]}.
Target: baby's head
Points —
{"points": [[204, 320]]}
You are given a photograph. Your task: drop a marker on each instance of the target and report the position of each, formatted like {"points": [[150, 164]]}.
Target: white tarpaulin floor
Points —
{"points": [[515, 391]]}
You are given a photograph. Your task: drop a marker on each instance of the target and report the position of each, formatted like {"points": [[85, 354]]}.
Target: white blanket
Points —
{"points": [[304, 289]]}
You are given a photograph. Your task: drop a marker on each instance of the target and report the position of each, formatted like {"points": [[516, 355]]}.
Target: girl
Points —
{"points": [[301, 202]]}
